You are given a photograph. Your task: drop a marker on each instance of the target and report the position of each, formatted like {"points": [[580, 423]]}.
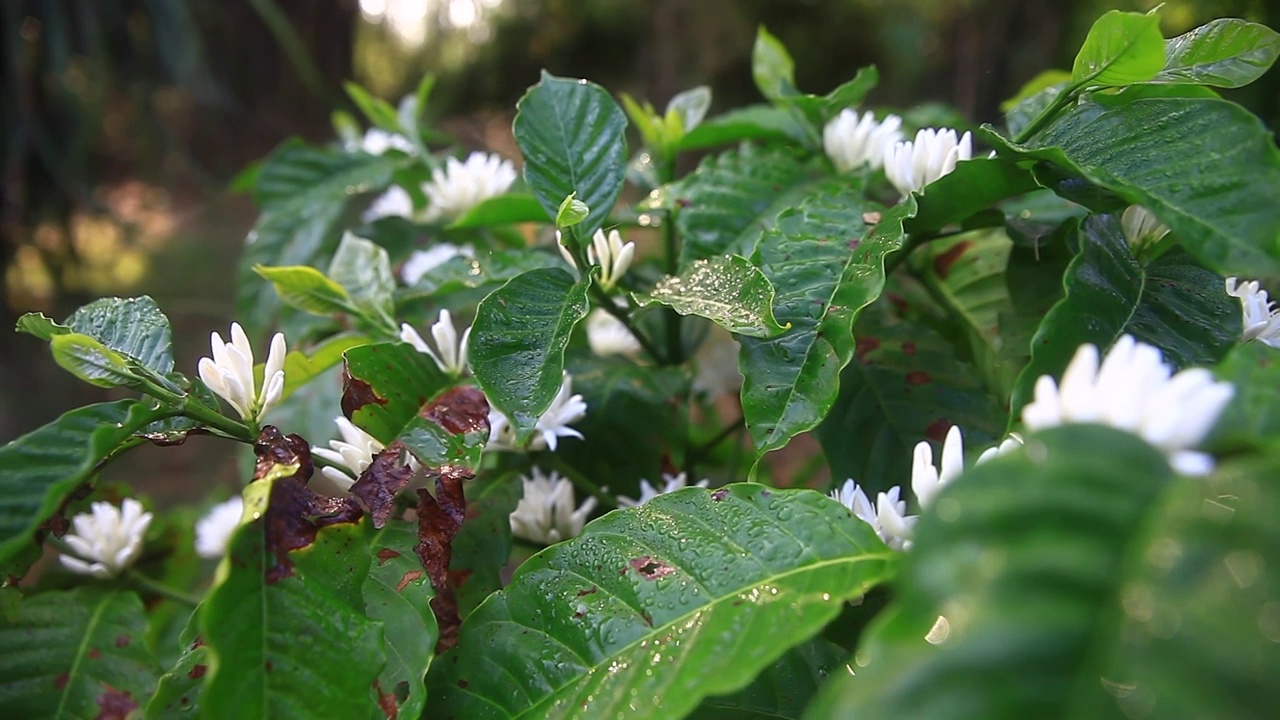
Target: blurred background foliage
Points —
{"points": [[125, 120]]}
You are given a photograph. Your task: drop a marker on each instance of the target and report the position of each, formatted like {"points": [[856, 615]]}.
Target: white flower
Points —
{"points": [[1141, 227], [887, 517], [395, 202], [911, 165], [717, 372], [552, 424], [612, 255], [461, 186], [108, 540], [545, 514], [452, 356], [230, 373], [852, 141], [377, 141], [1134, 390], [213, 531], [1261, 317], [607, 335], [354, 452], [927, 479], [670, 483], [421, 262]]}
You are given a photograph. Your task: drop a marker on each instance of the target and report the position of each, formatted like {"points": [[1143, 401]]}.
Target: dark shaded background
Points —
{"points": [[124, 120]]}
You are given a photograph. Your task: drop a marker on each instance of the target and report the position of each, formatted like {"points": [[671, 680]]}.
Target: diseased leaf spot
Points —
{"points": [[864, 345], [60, 682], [357, 393], [386, 554], [719, 495], [937, 430], [409, 577], [115, 705], [386, 702], [94, 653], [651, 568], [943, 262], [909, 348], [197, 671], [589, 591], [919, 377], [122, 641]]}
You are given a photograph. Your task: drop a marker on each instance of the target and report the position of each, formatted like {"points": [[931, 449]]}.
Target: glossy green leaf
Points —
{"points": [[378, 111], [518, 342], [905, 385], [772, 67], [91, 361], [483, 543], [1079, 585], [75, 654], [727, 290], [397, 593], [1227, 52], [974, 186], [1172, 303], [40, 325], [39, 470], [571, 212], [303, 192], [572, 135], [1207, 168], [363, 270], [818, 110], [690, 106], [722, 581], [1121, 49], [764, 123], [178, 693], [827, 265], [490, 268], [130, 326], [731, 198], [1253, 416], [783, 690], [394, 381], [502, 210], [307, 289], [286, 631]]}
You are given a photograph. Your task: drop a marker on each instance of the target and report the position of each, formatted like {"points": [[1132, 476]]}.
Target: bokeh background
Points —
{"points": [[125, 120]]}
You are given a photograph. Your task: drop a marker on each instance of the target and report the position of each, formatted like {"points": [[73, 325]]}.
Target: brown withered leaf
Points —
{"points": [[294, 512], [460, 410], [379, 484], [439, 518], [356, 393]]}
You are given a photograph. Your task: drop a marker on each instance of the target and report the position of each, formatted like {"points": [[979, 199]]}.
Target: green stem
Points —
{"points": [[1064, 98], [583, 483], [725, 433], [671, 318], [155, 587], [223, 424]]}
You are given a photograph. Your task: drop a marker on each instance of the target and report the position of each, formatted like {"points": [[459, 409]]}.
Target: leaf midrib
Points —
{"points": [[81, 651]]}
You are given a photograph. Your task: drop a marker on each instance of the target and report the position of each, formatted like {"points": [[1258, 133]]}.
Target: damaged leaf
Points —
{"points": [[397, 593], [439, 519]]}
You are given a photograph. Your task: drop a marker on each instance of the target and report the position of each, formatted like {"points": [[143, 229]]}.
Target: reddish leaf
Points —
{"points": [[356, 393], [460, 410], [439, 518], [379, 484]]}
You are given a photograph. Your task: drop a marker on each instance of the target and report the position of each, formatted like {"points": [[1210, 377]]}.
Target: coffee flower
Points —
{"points": [[912, 165], [927, 479], [395, 202], [546, 514], [451, 353], [349, 457], [1261, 317], [213, 531], [610, 253], [421, 262], [551, 426], [1134, 390], [229, 374], [852, 141], [106, 540], [1141, 227], [887, 516], [670, 483], [607, 335], [377, 141], [461, 186]]}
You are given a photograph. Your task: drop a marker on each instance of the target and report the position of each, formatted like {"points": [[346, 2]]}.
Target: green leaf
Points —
{"points": [[394, 382], [572, 135], [379, 111], [728, 290], [732, 198], [41, 326], [518, 341], [303, 192], [483, 543], [1172, 303], [1252, 419], [784, 689], [362, 269], [1117, 588], [818, 110], [827, 265], [1227, 52], [1121, 49], [724, 582], [1207, 168], [690, 106], [307, 289], [130, 326], [571, 212], [764, 123], [772, 67], [92, 362], [502, 210], [396, 593], [286, 625], [75, 654], [905, 385], [39, 470], [974, 186], [178, 694]]}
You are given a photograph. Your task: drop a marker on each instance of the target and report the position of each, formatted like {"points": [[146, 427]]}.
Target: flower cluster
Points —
{"points": [[106, 540], [451, 352], [913, 164], [461, 186], [349, 457], [670, 483], [607, 335], [1261, 317], [546, 513], [852, 141], [610, 253], [1141, 227], [229, 374], [551, 426]]}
